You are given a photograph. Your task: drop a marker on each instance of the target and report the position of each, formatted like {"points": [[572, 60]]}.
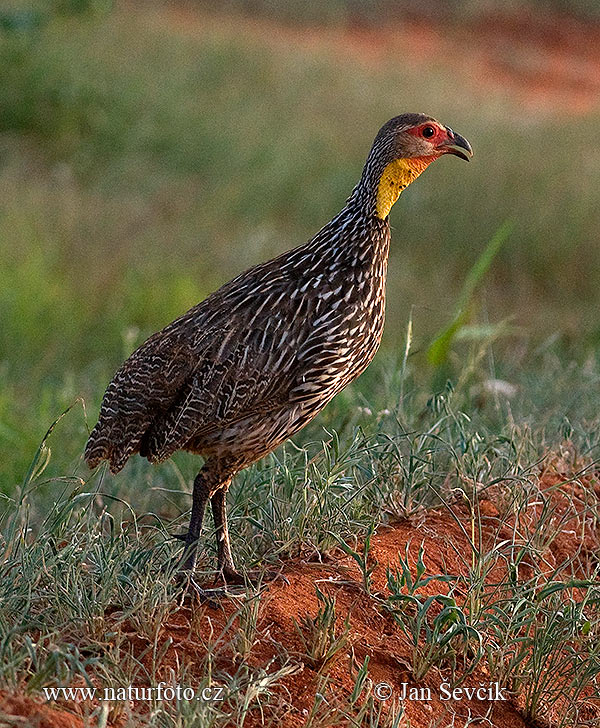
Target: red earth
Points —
{"points": [[444, 535]]}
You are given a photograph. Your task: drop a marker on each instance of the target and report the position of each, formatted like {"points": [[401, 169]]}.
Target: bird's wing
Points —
{"points": [[239, 372], [291, 356], [230, 356]]}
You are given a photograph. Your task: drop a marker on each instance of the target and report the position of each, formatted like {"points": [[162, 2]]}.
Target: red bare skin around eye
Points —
{"points": [[440, 135]]}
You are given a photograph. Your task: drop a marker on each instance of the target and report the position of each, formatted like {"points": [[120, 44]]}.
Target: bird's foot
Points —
{"points": [[195, 592], [233, 576], [255, 577]]}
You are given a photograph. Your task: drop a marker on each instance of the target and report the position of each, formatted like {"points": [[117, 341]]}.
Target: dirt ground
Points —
{"points": [[444, 536]]}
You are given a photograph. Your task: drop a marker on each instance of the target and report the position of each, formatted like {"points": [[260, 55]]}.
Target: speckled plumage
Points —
{"points": [[254, 362], [257, 359]]}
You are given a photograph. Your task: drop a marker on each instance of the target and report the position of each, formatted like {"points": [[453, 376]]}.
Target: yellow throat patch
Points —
{"points": [[396, 177]]}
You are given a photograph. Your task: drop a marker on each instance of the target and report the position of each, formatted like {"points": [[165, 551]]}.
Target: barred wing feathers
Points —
{"points": [[236, 352]]}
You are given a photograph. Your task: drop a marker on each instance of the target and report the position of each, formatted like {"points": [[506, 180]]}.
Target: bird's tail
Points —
{"points": [[97, 448], [116, 435]]}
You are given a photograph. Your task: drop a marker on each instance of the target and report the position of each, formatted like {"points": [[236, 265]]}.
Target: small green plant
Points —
{"points": [[334, 710], [439, 349], [544, 644], [320, 636], [247, 631], [365, 563], [436, 626]]}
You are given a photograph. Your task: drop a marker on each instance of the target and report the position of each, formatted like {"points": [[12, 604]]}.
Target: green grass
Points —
{"points": [[141, 166], [88, 571]]}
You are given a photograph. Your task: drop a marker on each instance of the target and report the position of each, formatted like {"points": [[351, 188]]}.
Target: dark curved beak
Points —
{"points": [[456, 144]]}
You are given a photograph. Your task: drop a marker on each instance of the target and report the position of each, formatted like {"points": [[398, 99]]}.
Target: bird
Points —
{"points": [[254, 362]]}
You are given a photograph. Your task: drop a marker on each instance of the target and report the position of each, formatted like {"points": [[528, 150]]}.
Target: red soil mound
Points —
{"points": [[17, 710], [445, 535], [373, 633]]}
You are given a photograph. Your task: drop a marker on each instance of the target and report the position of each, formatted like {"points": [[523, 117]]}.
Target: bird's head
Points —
{"points": [[405, 147]]}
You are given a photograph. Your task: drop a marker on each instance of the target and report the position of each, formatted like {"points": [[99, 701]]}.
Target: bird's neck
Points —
{"points": [[381, 184], [359, 239], [359, 236]]}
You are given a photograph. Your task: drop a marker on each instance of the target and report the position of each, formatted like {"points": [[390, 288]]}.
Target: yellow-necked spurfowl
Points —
{"points": [[254, 362]]}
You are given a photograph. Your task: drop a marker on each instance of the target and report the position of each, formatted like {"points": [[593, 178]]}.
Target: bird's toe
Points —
{"points": [[255, 577], [196, 593]]}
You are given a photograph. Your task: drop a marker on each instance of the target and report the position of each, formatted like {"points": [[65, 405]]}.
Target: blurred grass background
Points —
{"points": [[147, 156]]}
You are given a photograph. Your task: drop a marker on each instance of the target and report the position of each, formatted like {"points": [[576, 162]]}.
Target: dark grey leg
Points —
{"points": [[224, 557], [200, 496]]}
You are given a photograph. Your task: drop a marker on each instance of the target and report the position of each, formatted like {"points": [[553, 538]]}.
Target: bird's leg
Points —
{"points": [[224, 557], [200, 496]]}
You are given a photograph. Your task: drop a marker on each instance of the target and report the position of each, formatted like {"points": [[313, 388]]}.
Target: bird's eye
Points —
{"points": [[428, 132]]}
